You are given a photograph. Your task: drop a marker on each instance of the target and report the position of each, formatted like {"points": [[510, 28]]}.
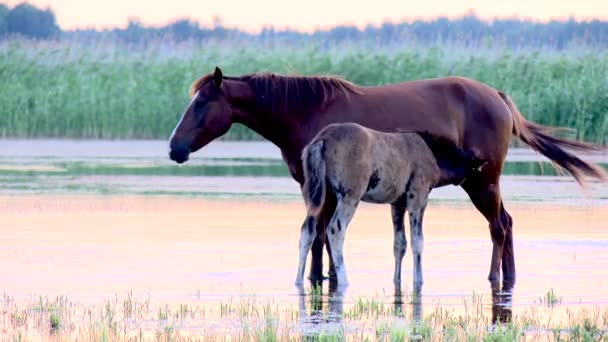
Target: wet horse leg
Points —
{"points": [[399, 241], [417, 240], [508, 256], [336, 231], [316, 262], [307, 235], [486, 198]]}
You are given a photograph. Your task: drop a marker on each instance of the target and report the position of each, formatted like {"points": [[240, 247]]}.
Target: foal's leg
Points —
{"points": [[307, 235], [486, 198], [336, 231], [399, 241], [417, 241]]}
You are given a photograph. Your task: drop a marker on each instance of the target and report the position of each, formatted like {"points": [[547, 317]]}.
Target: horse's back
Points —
{"points": [[345, 136], [469, 113], [384, 147], [376, 166]]}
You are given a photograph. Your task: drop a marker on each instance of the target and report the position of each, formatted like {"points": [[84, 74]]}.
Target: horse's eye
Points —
{"points": [[199, 105]]}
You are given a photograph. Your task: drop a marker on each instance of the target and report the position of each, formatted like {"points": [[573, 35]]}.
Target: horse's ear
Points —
{"points": [[217, 77]]}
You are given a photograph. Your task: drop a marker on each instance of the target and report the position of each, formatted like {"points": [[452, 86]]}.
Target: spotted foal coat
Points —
{"points": [[360, 164]]}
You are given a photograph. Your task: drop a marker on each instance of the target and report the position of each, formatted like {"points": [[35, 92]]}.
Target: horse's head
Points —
{"points": [[207, 117]]}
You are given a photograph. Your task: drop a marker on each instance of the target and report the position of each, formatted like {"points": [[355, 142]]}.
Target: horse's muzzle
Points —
{"points": [[179, 155]]}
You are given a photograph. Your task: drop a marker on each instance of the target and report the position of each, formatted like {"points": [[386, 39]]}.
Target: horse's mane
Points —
{"points": [[199, 83], [289, 94]]}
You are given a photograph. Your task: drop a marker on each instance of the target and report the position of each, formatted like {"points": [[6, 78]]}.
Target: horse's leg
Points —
{"points": [[417, 241], [336, 231], [399, 241], [307, 235], [486, 198], [508, 255], [331, 271], [316, 262]]}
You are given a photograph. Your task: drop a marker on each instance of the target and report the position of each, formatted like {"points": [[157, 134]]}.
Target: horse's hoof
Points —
{"points": [[337, 286], [507, 286], [316, 277], [493, 278], [510, 279]]}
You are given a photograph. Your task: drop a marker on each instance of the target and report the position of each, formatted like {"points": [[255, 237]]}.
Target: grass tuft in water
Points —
{"points": [[251, 318], [551, 298]]}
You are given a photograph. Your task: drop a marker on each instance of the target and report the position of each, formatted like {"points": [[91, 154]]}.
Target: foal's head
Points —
{"points": [[207, 117]]}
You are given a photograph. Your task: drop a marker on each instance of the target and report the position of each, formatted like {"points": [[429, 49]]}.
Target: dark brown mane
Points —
{"points": [[289, 94]]}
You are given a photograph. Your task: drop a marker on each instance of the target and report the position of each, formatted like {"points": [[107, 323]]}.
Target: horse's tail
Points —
{"points": [[540, 139], [314, 176]]}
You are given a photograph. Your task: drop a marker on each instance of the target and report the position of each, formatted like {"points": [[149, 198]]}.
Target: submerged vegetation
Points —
{"points": [[551, 298], [109, 89], [315, 318]]}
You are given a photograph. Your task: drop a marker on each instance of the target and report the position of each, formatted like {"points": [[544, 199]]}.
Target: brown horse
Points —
{"points": [[357, 163], [289, 111]]}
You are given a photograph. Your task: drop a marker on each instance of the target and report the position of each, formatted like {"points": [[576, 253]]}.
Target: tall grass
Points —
{"points": [[110, 90]]}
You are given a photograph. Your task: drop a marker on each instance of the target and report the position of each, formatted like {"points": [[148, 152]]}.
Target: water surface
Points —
{"points": [[99, 220]]}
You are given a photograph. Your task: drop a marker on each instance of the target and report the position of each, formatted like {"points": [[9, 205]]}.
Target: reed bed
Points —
{"points": [[110, 90]]}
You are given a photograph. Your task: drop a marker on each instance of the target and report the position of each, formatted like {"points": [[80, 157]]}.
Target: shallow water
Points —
{"points": [[189, 250], [232, 170], [100, 225]]}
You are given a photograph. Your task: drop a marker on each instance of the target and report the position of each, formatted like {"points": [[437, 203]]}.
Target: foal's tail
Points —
{"points": [[540, 139], [314, 176]]}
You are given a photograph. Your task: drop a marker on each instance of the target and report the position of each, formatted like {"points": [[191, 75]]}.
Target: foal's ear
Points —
{"points": [[217, 77]]}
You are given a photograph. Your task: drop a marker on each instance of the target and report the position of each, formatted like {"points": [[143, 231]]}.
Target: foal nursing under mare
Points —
{"points": [[290, 110], [355, 164]]}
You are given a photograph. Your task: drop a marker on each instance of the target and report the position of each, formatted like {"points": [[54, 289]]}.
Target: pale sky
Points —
{"points": [[305, 15]]}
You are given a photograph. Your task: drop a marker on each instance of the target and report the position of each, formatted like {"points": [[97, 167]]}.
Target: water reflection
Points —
{"points": [[323, 311], [315, 297], [414, 299], [200, 167], [502, 302]]}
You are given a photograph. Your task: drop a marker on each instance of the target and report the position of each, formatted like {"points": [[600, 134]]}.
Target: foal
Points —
{"points": [[361, 164]]}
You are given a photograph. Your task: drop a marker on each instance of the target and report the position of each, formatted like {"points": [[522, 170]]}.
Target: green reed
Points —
{"points": [[111, 90], [253, 318]]}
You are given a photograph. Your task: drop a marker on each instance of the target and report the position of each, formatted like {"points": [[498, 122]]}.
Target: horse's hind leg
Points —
{"points": [[486, 198], [307, 235], [399, 241], [417, 240], [508, 256], [336, 231], [316, 262]]}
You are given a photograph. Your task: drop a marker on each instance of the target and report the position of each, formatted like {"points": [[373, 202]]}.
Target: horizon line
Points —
{"points": [[217, 22]]}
